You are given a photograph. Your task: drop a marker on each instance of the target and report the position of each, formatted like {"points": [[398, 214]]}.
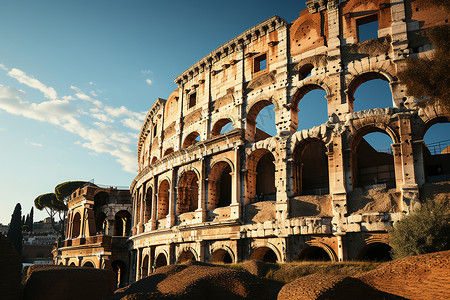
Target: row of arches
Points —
{"points": [[121, 224], [309, 100], [376, 251]]}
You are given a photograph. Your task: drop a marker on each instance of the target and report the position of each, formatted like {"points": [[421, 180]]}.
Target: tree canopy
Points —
{"points": [[428, 79]]}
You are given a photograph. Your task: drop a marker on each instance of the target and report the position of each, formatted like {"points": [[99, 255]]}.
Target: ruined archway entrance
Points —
{"points": [[361, 89], [122, 223], [120, 268], [314, 253], [264, 254], [260, 177], [375, 252], [373, 163], [436, 151], [160, 261], [221, 126], [186, 255], [163, 200], [144, 268], [76, 225], [310, 168], [191, 139], [101, 222], [219, 185], [88, 264], [221, 256], [309, 100], [187, 199]]}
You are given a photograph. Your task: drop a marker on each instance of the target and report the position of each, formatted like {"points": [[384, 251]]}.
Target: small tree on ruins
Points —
{"points": [[54, 204]]}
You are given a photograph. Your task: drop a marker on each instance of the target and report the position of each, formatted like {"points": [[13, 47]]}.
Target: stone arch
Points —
{"points": [[217, 127], [219, 184], [101, 222], [317, 251], [72, 264], [161, 259], [76, 225], [190, 139], [163, 199], [186, 254], [251, 133], [357, 80], [375, 251], [101, 198], [120, 268], [168, 151], [144, 267], [122, 223], [310, 174], [266, 253], [188, 192], [260, 176], [433, 121], [368, 166], [148, 204], [222, 255], [88, 264]]}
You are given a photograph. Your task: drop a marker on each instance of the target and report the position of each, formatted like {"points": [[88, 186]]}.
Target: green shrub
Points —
{"points": [[424, 231]]}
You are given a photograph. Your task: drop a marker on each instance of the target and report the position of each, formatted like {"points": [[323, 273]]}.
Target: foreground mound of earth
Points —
{"points": [[195, 280]]}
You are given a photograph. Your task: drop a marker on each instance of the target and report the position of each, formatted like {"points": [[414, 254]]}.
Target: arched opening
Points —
{"points": [[88, 264], [76, 225], [310, 168], [186, 255], [305, 71], [219, 186], [375, 252], [144, 269], [122, 223], [314, 253], [120, 268], [369, 90], [260, 176], [100, 222], [154, 159], [160, 261], [373, 160], [222, 126], [191, 139], [148, 205], [264, 254], [100, 199], [72, 264], [309, 107], [163, 200], [168, 151], [187, 199], [221, 256], [260, 121], [436, 151]]}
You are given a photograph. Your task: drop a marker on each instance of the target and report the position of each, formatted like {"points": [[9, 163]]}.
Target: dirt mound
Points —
{"points": [[260, 212], [61, 282], [374, 200], [10, 270], [200, 281], [416, 277], [259, 268], [324, 286]]}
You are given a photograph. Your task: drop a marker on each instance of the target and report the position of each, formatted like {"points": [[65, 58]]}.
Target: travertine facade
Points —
{"points": [[97, 231], [320, 193]]}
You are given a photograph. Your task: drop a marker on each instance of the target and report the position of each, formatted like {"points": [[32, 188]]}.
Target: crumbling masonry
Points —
{"points": [[321, 193]]}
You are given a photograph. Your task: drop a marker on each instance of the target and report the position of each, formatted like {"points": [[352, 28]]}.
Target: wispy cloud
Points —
{"points": [[146, 72], [22, 77], [149, 81], [80, 114]]}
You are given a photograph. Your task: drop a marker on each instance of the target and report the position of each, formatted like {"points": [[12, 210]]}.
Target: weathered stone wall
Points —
{"points": [[318, 193]]}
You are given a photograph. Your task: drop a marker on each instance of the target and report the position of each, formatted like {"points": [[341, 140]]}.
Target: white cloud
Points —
{"points": [[146, 71], [35, 144], [93, 93], [2, 66], [91, 83], [102, 117], [22, 77], [149, 81], [132, 123]]}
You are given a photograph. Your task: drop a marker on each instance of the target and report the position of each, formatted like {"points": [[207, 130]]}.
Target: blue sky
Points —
{"points": [[77, 78]]}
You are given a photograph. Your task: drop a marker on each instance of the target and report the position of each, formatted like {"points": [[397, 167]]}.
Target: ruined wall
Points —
{"points": [[318, 193]]}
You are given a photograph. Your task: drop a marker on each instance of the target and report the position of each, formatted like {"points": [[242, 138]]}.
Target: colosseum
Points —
{"points": [[214, 187]]}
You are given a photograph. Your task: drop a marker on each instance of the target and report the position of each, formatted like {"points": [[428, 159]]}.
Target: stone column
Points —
{"points": [[235, 207], [138, 263], [201, 211], [171, 217], [141, 210], [154, 211]]}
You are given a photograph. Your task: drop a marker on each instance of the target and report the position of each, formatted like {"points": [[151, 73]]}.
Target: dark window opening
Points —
{"points": [[192, 100], [260, 63], [225, 188], [314, 253], [154, 130], [367, 28]]}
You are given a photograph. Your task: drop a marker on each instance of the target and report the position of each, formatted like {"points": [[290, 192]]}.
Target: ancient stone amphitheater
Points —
{"points": [[214, 187]]}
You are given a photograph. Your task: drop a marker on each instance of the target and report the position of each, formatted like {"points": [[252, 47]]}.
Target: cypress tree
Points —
{"points": [[15, 228], [30, 225]]}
